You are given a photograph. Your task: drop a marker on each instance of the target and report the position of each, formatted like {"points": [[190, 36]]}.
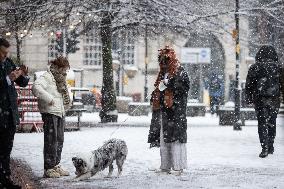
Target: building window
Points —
{"points": [[123, 46], [92, 49]]}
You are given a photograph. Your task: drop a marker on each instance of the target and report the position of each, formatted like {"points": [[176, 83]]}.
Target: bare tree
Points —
{"points": [[19, 18], [158, 17]]}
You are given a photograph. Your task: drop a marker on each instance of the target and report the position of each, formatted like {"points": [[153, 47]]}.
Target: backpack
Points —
{"points": [[268, 83]]}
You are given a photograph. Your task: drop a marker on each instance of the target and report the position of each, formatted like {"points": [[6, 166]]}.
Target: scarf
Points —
{"points": [[168, 99], [60, 79]]}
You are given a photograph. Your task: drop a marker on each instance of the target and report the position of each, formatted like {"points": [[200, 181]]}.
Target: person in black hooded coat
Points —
{"points": [[263, 87]]}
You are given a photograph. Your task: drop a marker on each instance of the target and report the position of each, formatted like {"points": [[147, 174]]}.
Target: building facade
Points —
{"points": [[129, 53]]}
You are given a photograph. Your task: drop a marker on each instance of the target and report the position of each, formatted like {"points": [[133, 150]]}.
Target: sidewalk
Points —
{"points": [[93, 120], [218, 157]]}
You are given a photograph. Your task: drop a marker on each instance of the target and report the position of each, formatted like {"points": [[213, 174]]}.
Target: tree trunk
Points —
{"points": [[108, 112], [18, 46]]}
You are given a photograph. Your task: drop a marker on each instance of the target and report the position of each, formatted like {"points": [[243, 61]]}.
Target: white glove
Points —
{"points": [[162, 86], [166, 78], [166, 81]]}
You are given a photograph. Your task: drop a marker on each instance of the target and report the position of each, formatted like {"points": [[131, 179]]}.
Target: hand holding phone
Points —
{"points": [[25, 70], [15, 74]]}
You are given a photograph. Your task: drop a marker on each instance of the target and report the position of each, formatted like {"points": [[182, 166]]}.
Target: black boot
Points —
{"points": [[270, 149], [8, 184], [264, 152], [270, 145]]}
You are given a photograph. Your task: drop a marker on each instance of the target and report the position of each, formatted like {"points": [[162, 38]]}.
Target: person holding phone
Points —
{"points": [[9, 115]]}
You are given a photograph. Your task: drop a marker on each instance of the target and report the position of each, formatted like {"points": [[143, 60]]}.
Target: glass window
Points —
{"points": [[123, 46], [92, 49]]}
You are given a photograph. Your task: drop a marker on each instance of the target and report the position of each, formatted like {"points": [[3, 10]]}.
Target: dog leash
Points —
{"points": [[116, 129]]}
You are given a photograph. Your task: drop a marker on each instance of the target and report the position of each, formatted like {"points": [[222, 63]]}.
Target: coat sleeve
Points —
{"points": [[282, 82], [22, 81], [39, 89], [250, 88]]}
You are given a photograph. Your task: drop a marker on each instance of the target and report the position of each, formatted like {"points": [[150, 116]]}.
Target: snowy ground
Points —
{"points": [[218, 157]]}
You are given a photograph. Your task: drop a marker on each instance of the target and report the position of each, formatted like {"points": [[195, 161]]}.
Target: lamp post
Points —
{"points": [[146, 67], [116, 68], [237, 121]]}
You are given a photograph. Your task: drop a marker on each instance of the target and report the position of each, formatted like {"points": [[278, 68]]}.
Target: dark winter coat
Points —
{"points": [[282, 84], [255, 74], [8, 94], [174, 118]]}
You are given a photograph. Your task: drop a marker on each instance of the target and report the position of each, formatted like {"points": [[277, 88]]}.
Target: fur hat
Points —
{"points": [[60, 62]]}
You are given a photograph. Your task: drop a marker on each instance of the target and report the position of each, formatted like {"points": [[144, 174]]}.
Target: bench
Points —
{"points": [[30, 118], [144, 108], [36, 126], [75, 112], [195, 109], [122, 103], [227, 115]]}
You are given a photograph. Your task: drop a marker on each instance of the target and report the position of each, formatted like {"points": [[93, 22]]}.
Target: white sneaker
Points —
{"points": [[176, 172], [61, 171], [51, 173], [166, 171]]}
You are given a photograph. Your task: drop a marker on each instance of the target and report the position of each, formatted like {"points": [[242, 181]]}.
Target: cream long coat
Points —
{"points": [[45, 89]]}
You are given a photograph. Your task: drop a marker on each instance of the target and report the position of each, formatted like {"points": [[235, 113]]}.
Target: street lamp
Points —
{"points": [[146, 67], [237, 121], [116, 67]]}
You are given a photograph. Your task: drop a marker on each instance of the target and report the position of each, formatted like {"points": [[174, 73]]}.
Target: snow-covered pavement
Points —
{"points": [[218, 157]]}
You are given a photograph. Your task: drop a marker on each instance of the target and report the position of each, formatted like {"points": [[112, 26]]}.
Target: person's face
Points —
{"points": [[63, 69], [3, 53], [164, 64], [164, 68]]}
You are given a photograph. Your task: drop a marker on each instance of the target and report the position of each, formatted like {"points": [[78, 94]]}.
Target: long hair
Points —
{"points": [[266, 52], [173, 62]]}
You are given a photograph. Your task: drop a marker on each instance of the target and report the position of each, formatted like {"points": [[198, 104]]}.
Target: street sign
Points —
{"points": [[195, 55]]}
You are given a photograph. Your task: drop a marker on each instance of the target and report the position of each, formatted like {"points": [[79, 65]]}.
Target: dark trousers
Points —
{"points": [[53, 139], [266, 116], [7, 133], [214, 104]]}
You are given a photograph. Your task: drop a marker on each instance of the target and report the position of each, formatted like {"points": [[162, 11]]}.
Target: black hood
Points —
{"points": [[266, 54]]}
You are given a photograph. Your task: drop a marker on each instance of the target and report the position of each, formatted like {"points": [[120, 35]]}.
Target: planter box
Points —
{"points": [[122, 103], [139, 108], [195, 109], [227, 115]]}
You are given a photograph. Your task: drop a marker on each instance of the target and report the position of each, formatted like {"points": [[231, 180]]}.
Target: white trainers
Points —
{"points": [[176, 172], [51, 173], [61, 171], [165, 171]]}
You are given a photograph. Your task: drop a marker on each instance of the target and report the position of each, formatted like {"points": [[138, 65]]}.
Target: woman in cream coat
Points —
{"points": [[53, 100]]}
